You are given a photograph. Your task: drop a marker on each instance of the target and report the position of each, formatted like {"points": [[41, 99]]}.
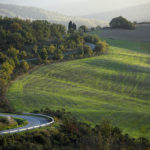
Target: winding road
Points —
{"points": [[34, 122]]}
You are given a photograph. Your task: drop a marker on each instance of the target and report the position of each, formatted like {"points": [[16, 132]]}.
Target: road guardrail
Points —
{"points": [[31, 128]]}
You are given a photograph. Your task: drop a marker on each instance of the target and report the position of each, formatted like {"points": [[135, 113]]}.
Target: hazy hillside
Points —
{"points": [[138, 13], [37, 13]]}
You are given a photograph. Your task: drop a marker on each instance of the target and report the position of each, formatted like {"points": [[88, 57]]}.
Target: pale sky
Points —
{"points": [[78, 7]]}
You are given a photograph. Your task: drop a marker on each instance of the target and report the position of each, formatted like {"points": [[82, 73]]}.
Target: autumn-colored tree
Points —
{"points": [[51, 49], [25, 66]]}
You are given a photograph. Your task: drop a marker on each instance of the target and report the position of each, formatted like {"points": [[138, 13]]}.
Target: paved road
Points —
{"points": [[33, 122]]}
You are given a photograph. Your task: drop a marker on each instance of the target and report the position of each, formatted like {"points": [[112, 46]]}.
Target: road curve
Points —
{"points": [[36, 121]]}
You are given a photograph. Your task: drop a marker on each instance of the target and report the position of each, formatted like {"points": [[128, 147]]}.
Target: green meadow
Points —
{"points": [[115, 86]]}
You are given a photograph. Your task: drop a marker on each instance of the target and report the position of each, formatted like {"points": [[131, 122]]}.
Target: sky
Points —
{"points": [[78, 7]]}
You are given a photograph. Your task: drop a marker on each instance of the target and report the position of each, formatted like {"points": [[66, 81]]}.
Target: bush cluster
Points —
{"points": [[70, 134], [121, 22]]}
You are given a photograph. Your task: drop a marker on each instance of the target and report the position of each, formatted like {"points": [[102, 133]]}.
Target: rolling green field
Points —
{"points": [[115, 86]]}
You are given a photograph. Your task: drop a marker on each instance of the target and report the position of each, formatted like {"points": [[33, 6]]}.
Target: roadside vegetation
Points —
{"points": [[10, 123], [7, 123], [70, 134]]}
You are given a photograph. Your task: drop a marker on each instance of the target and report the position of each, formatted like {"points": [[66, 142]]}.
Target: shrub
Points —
{"points": [[91, 38], [87, 50], [58, 55], [101, 47]]}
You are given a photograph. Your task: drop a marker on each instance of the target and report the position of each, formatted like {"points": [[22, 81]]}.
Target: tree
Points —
{"points": [[43, 54], [87, 50], [3, 85], [6, 71], [25, 66], [51, 49], [35, 49], [98, 27], [13, 53], [16, 39], [58, 55], [61, 47], [101, 47], [83, 28], [16, 26], [120, 22], [74, 39], [71, 27], [23, 54], [3, 58], [91, 38], [74, 26]]}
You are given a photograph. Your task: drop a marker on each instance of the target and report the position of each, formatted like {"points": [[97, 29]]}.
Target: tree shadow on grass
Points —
{"points": [[142, 47], [117, 66]]}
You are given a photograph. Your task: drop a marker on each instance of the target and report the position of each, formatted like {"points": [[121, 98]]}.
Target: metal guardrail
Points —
{"points": [[31, 128]]}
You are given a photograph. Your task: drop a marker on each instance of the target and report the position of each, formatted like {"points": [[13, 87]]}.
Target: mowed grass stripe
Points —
{"points": [[114, 86]]}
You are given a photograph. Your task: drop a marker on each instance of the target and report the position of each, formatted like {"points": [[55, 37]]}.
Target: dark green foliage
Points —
{"points": [[72, 27], [13, 53], [87, 50], [120, 22], [73, 40], [73, 135], [3, 58], [35, 49], [57, 31], [18, 33], [51, 49], [24, 66], [43, 54], [2, 86], [91, 38], [58, 55], [95, 28], [23, 55], [101, 47], [83, 28]]}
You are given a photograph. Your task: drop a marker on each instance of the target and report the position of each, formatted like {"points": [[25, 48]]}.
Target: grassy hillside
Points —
{"points": [[114, 86], [141, 33]]}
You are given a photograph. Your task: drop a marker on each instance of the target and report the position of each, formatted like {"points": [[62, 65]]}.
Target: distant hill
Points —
{"points": [[140, 13], [41, 14]]}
